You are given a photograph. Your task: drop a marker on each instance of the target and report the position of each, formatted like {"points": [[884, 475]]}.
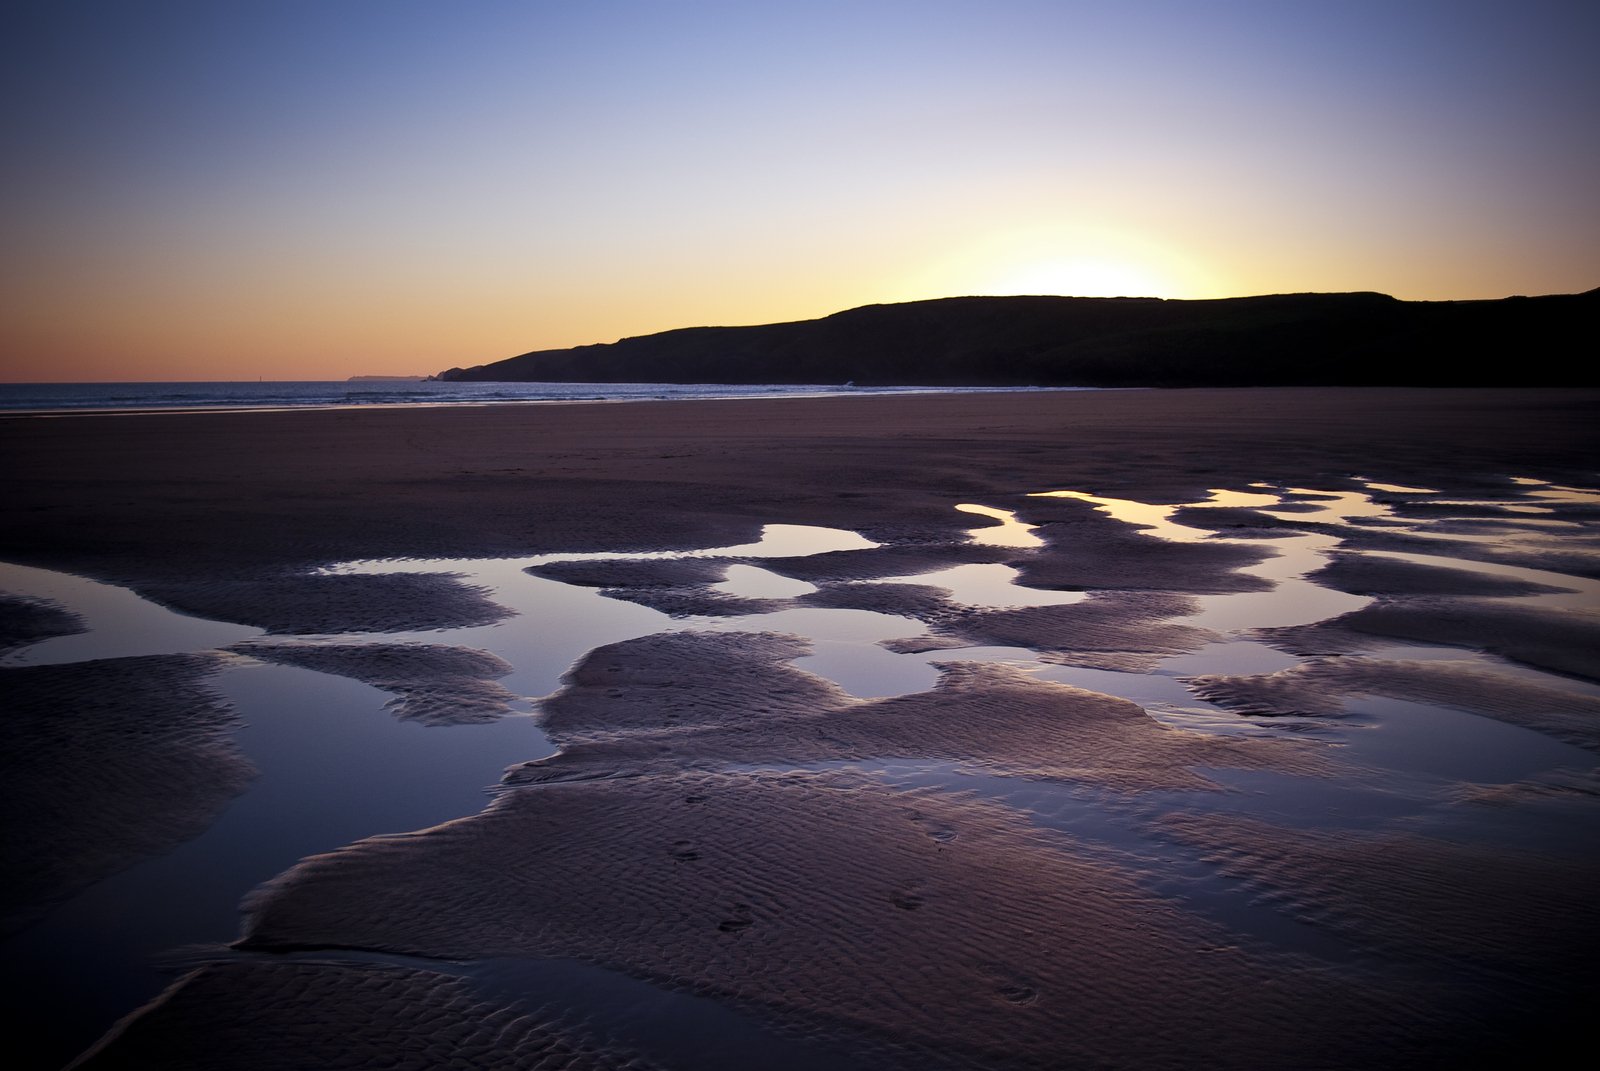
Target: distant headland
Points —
{"points": [[1355, 339]]}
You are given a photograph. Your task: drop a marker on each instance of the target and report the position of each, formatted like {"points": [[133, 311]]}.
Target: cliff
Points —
{"points": [[1280, 340]]}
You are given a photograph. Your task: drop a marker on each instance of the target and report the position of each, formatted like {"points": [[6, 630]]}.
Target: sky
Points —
{"points": [[221, 189]]}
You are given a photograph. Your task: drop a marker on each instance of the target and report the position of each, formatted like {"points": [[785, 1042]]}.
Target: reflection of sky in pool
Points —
{"points": [[1010, 532], [330, 757]]}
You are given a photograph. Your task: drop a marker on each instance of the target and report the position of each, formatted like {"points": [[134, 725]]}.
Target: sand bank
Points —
{"points": [[431, 684], [24, 621], [955, 935]]}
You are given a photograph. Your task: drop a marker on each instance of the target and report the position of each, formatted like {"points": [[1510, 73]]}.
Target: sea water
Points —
{"points": [[133, 397]]}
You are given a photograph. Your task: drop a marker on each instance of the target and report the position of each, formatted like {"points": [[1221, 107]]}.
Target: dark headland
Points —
{"points": [[1359, 339]]}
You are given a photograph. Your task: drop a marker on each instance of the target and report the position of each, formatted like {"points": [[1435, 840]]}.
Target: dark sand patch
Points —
{"points": [[1320, 688], [923, 602], [620, 573], [104, 764], [877, 563], [1551, 638], [995, 716], [679, 587], [678, 680], [1118, 630], [1498, 504], [432, 684], [1444, 513], [1507, 936], [1512, 544], [946, 927], [1553, 784], [25, 621], [923, 644], [282, 1016], [304, 604], [694, 602], [709, 699], [1237, 522], [1095, 552], [1568, 556], [1360, 574]]}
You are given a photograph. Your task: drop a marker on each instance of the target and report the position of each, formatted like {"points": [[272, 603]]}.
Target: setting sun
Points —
{"points": [[1082, 277], [1069, 261]]}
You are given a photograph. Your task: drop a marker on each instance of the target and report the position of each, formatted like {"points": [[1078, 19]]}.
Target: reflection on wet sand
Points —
{"points": [[1175, 767], [1010, 532]]}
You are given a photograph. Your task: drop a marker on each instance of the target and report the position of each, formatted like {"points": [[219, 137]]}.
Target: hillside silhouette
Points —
{"points": [[1357, 339]]}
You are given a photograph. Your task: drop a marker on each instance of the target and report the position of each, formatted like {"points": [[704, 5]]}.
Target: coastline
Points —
{"points": [[712, 823], [106, 399]]}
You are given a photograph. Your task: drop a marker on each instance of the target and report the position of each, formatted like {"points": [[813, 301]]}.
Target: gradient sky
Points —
{"points": [[206, 189]]}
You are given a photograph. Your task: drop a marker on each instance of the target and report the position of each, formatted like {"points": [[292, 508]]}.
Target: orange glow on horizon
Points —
{"points": [[1063, 260]]}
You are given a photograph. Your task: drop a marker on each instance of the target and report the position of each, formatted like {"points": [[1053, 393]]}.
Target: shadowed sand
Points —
{"points": [[696, 830], [431, 684], [266, 1015], [300, 604], [698, 698], [1321, 687], [1512, 928], [1563, 640], [25, 621], [946, 930], [103, 764]]}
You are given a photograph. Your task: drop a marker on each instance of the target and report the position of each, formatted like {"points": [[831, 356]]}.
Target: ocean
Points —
{"points": [[133, 397]]}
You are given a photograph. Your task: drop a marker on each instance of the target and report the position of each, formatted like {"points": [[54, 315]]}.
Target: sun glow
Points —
{"points": [[1065, 261], [1081, 277]]}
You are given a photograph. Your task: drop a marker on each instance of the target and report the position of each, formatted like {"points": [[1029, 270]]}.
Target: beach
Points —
{"points": [[168, 495], [1357, 834]]}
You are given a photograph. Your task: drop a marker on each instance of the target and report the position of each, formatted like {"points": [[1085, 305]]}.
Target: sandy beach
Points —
{"points": [[1014, 865]]}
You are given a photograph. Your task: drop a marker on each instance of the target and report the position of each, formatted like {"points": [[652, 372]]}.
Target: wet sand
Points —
{"points": [[194, 499], [713, 823], [105, 763]]}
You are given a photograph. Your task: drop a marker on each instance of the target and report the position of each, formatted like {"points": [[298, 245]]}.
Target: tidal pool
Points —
{"points": [[333, 766]]}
